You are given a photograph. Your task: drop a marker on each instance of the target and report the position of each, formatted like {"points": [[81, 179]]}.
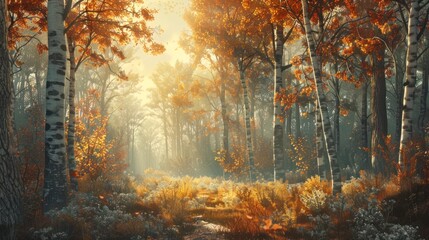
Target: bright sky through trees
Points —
{"points": [[171, 25]]}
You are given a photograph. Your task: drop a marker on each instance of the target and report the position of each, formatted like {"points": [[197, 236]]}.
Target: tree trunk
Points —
{"points": [[399, 85], [225, 135], [133, 159], [10, 184], [364, 127], [178, 135], [164, 119], [262, 124], [321, 98], [424, 94], [336, 84], [321, 167], [297, 121], [410, 83], [72, 119], [38, 78], [55, 185], [278, 126], [378, 110], [287, 124], [30, 92], [249, 144]]}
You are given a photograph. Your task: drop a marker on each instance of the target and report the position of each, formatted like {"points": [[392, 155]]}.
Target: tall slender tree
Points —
{"points": [[71, 161], [410, 83], [10, 184], [321, 100], [55, 182], [378, 108], [278, 125], [242, 66], [321, 167]]}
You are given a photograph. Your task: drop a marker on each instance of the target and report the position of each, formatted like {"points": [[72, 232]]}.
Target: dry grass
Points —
{"points": [[263, 210]]}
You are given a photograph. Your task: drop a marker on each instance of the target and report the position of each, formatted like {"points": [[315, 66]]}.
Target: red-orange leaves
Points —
{"points": [[296, 60], [41, 48], [368, 45], [307, 91], [100, 28], [286, 98]]}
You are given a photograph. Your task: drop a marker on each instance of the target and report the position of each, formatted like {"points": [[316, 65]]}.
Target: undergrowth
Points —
{"points": [[157, 206]]}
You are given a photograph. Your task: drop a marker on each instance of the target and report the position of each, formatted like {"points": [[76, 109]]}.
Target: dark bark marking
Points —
{"points": [[53, 92], [61, 72], [49, 112]]}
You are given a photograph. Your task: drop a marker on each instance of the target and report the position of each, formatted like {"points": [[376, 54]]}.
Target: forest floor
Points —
{"points": [[158, 206]]}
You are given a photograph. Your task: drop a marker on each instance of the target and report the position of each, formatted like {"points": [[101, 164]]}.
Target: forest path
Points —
{"points": [[206, 231]]}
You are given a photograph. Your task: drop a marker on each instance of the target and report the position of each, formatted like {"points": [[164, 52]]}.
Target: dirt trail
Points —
{"points": [[207, 231]]}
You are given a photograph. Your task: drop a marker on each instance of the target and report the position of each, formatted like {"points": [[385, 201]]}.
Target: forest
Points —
{"points": [[214, 119]]}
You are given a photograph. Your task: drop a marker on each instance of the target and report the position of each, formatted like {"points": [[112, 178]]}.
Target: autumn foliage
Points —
{"points": [[93, 151]]}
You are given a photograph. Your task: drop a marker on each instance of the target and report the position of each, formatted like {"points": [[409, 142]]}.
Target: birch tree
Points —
{"points": [[321, 167], [410, 83], [278, 128], [243, 64], [55, 183], [321, 100]]}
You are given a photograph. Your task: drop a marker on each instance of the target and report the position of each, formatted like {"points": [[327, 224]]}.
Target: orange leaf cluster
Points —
{"points": [[93, 151], [286, 98]]}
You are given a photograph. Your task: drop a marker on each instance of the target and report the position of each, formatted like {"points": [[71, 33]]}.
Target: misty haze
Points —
{"points": [[214, 119]]}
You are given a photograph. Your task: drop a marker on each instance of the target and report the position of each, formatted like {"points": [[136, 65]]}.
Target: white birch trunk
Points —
{"points": [[278, 126], [410, 83], [55, 183], [321, 98], [321, 167], [249, 144], [72, 119]]}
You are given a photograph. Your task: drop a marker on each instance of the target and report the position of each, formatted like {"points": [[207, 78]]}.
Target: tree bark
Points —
{"points": [[321, 167], [410, 83], [72, 119], [10, 182], [321, 98], [336, 85], [55, 183], [225, 135], [164, 120], [249, 144], [364, 127], [378, 110], [278, 126], [399, 85], [424, 94]]}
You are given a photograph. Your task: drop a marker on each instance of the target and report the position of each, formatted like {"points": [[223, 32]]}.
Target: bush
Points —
{"points": [[370, 224], [102, 217], [313, 194]]}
